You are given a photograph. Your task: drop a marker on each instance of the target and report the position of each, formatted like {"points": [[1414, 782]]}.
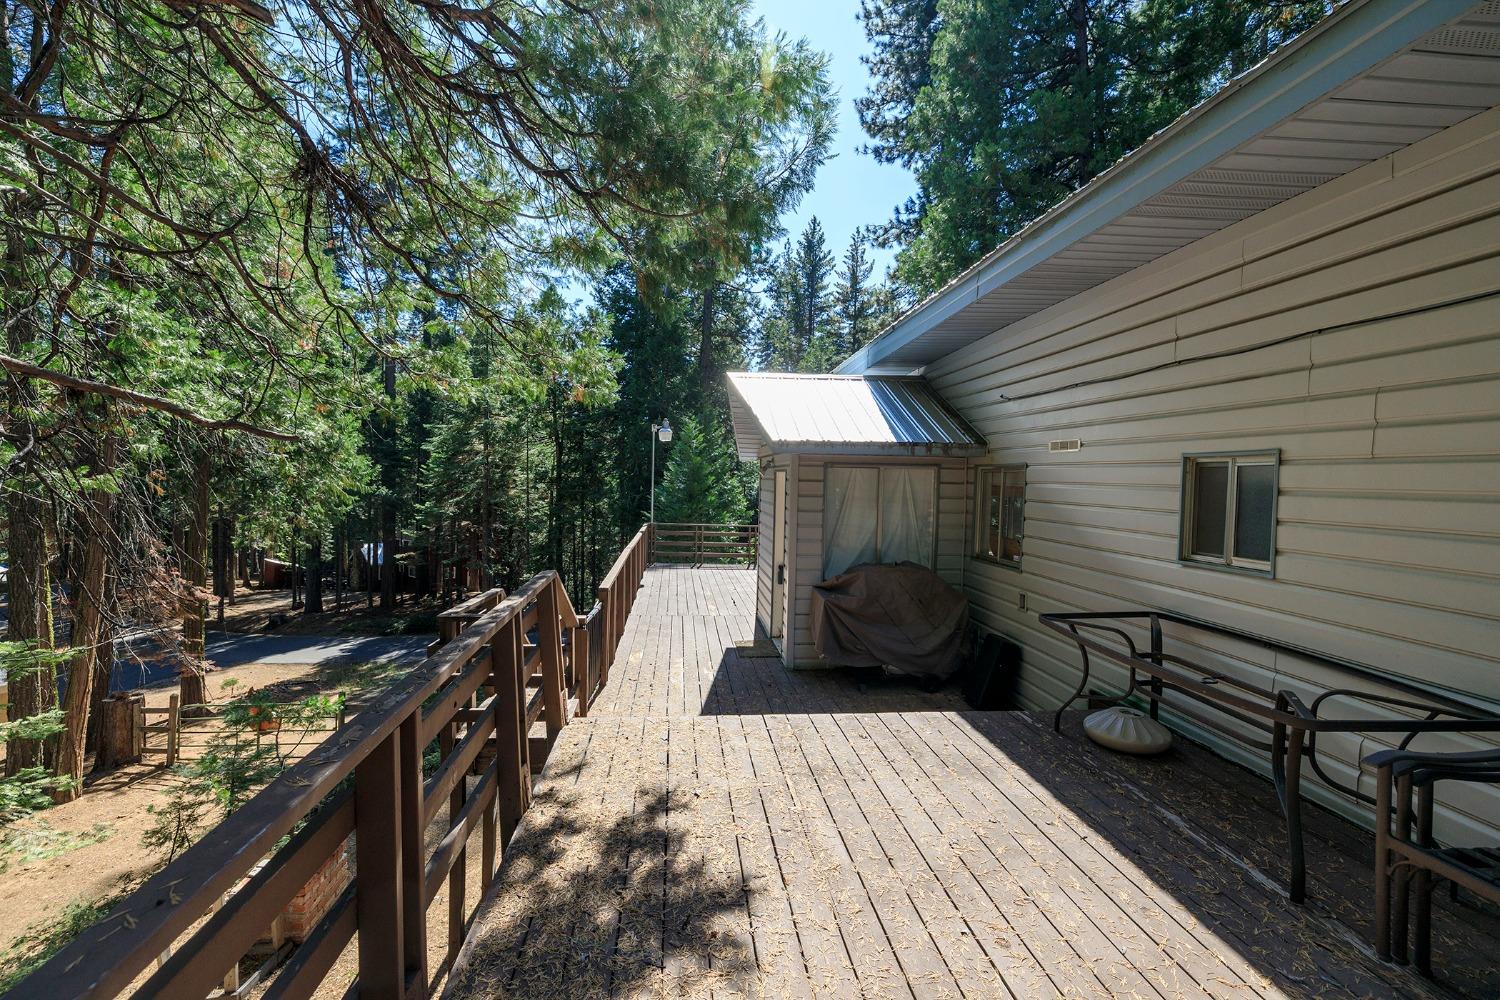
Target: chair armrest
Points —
{"points": [[1480, 765]]}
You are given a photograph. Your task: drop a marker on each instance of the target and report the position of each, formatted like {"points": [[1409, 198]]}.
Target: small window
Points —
{"points": [[1002, 514], [878, 515], [1229, 510]]}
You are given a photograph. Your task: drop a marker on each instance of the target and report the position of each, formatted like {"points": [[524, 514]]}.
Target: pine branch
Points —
{"points": [[18, 367]]}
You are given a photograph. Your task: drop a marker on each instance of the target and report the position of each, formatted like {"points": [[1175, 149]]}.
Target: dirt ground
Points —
{"points": [[89, 850]]}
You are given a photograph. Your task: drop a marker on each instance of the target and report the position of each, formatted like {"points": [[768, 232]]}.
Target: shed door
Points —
{"points": [[778, 556]]}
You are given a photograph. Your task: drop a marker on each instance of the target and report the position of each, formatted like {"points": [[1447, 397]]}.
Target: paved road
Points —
{"points": [[230, 650], [226, 649]]}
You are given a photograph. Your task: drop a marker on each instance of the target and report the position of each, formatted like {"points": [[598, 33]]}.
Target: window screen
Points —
{"points": [[1254, 520], [1210, 507], [1229, 510]]}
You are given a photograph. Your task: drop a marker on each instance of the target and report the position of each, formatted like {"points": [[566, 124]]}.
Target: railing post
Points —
{"points": [[605, 610], [413, 854], [379, 878], [174, 719], [549, 643], [510, 736], [578, 653], [458, 876]]}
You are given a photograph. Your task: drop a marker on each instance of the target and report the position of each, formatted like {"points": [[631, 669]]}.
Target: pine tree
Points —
{"points": [[813, 265], [702, 482], [797, 333], [857, 303], [1020, 102], [901, 33]]}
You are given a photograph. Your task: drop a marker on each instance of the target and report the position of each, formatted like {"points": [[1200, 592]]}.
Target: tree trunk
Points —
{"points": [[91, 594], [387, 507], [192, 675], [296, 574], [313, 605], [338, 570], [554, 509], [30, 583], [34, 690], [104, 662], [387, 559], [121, 734], [486, 509]]}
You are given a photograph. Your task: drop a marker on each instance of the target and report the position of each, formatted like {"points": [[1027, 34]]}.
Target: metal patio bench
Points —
{"points": [[1291, 725], [1406, 855]]}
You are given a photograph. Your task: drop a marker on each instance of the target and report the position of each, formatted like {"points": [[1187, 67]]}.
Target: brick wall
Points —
{"points": [[305, 909]]}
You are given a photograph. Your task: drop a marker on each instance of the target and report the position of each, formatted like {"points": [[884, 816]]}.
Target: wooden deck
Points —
{"points": [[721, 827]]}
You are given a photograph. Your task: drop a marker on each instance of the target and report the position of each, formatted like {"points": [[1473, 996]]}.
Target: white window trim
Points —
{"points": [[984, 474], [1228, 561]]}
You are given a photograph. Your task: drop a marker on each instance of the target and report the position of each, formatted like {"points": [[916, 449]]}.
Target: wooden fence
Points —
{"points": [[703, 543], [503, 665]]}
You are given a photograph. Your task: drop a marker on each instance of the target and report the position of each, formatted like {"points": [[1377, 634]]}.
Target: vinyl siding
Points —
{"points": [[1356, 329]]}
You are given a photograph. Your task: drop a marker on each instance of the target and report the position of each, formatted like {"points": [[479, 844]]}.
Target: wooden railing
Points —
{"points": [[502, 665], [703, 543], [616, 597]]}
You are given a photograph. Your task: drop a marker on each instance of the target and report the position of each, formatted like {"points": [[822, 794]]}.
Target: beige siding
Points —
{"points": [[1355, 328], [951, 528]]}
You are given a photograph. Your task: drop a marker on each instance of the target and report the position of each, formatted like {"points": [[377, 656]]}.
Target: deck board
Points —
{"points": [[721, 827]]}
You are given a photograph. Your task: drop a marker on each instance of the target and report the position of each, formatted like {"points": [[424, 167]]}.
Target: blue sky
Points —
{"points": [[852, 190]]}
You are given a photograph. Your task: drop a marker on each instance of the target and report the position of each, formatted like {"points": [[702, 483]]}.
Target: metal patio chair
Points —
{"points": [[1407, 857]]}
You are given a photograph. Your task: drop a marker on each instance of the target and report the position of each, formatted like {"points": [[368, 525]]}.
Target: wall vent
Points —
{"points": [[1067, 444]]}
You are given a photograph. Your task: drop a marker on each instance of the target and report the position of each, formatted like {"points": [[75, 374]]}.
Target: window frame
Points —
{"points": [[937, 489], [983, 476], [1187, 503]]}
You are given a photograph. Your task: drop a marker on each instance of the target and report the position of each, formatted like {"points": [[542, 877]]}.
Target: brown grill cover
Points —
{"points": [[902, 616]]}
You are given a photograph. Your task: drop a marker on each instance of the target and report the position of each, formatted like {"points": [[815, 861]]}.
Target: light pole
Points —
{"points": [[662, 432]]}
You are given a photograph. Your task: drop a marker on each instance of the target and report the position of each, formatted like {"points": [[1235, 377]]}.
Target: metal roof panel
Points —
{"points": [[844, 413]]}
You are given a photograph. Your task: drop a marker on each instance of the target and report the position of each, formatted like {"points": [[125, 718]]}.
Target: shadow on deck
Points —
{"points": [[722, 827]]}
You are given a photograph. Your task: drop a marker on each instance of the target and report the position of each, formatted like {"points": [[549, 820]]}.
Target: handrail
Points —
{"points": [[704, 543], [474, 693], [616, 596]]}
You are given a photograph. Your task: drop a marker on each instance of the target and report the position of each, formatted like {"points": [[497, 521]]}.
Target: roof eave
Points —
{"points": [[1351, 40], [892, 450]]}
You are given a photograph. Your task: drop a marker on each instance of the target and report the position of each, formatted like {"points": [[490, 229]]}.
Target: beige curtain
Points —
{"points": [[849, 510], [907, 501]]}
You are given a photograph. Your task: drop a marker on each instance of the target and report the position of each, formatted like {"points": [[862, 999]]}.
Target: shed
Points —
{"points": [[853, 469]]}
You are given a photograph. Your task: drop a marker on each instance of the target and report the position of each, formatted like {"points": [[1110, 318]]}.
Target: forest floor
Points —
{"points": [[60, 866]]}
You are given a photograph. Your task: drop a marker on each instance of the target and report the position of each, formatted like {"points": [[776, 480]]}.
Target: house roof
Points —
{"points": [[844, 414], [1371, 78]]}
